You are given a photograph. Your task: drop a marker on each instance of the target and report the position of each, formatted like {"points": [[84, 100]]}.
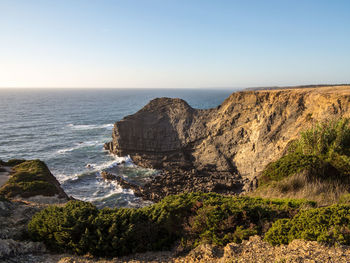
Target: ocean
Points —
{"points": [[66, 128]]}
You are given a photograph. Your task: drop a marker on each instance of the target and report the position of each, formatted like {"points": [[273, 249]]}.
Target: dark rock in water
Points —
{"points": [[230, 145], [108, 146], [108, 176], [124, 183]]}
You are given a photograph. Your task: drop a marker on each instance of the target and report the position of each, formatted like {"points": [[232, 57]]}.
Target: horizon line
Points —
{"points": [[184, 88]]}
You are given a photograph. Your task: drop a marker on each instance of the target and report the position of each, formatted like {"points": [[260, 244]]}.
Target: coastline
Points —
{"points": [[216, 227]]}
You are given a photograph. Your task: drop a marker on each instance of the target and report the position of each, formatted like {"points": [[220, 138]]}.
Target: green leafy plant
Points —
{"points": [[193, 218], [326, 224]]}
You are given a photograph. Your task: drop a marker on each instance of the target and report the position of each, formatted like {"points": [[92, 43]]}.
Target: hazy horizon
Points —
{"points": [[196, 44], [174, 88]]}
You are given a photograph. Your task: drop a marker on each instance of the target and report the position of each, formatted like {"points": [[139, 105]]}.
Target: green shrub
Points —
{"points": [[221, 219], [325, 139], [290, 164], [192, 217], [326, 224]]}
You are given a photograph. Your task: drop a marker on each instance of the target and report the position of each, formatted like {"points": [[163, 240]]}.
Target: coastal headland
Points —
{"points": [[226, 148]]}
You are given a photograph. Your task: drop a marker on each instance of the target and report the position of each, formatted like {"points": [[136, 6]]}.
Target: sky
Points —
{"points": [[173, 43]]}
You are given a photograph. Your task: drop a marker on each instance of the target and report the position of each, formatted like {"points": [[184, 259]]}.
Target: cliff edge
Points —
{"points": [[235, 140]]}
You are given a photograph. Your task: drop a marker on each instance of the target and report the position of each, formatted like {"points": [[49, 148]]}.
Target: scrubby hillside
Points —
{"points": [[316, 165]]}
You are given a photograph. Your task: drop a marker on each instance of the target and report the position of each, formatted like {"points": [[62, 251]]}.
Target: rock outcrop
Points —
{"points": [[236, 140], [30, 180], [26, 188]]}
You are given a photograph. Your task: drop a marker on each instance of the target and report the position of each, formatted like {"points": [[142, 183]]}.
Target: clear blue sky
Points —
{"points": [[173, 43]]}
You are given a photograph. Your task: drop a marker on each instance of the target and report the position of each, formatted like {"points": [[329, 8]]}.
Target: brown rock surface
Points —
{"points": [[253, 250], [237, 139]]}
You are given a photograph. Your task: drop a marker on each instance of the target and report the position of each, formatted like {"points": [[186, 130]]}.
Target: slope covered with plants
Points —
{"points": [[317, 165]]}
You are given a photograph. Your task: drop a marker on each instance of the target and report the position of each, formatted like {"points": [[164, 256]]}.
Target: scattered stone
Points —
{"points": [[180, 181], [123, 183], [108, 176]]}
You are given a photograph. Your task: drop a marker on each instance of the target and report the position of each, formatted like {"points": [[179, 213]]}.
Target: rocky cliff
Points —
{"points": [[236, 140]]}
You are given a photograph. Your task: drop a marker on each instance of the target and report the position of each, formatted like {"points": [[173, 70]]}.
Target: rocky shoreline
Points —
{"points": [[181, 181]]}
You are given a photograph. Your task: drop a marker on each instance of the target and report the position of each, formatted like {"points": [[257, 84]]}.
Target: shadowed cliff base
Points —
{"points": [[231, 144]]}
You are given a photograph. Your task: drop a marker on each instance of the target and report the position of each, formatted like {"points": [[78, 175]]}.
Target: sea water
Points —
{"points": [[66, 128]]}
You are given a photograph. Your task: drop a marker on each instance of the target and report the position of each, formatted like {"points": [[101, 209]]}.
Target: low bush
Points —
{"points": [[294, 163], [326, 224], [64, 227], [221, 219], [192, 218]]}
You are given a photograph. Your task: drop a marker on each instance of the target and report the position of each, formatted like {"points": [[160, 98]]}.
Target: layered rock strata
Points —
{"points": [[234, 141]]}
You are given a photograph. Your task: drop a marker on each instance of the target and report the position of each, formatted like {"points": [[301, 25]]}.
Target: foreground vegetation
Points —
{"points": [[325, 224], [190, 218]]}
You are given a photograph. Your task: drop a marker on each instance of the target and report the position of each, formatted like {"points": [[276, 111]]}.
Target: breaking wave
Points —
{"points": [[79, 146], [108, 126]]}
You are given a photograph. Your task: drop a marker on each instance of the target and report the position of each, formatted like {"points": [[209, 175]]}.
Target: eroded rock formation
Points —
{"points": [[235, 140]]}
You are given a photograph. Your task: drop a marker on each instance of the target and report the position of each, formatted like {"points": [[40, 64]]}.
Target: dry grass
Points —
{"points": [[324, 192]]}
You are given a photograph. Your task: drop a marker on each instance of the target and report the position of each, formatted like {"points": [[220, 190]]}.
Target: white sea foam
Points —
{"points": [[110, 164], [64, 177], [108, 188], [108, 126], [97, 168], [79, 146]]}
